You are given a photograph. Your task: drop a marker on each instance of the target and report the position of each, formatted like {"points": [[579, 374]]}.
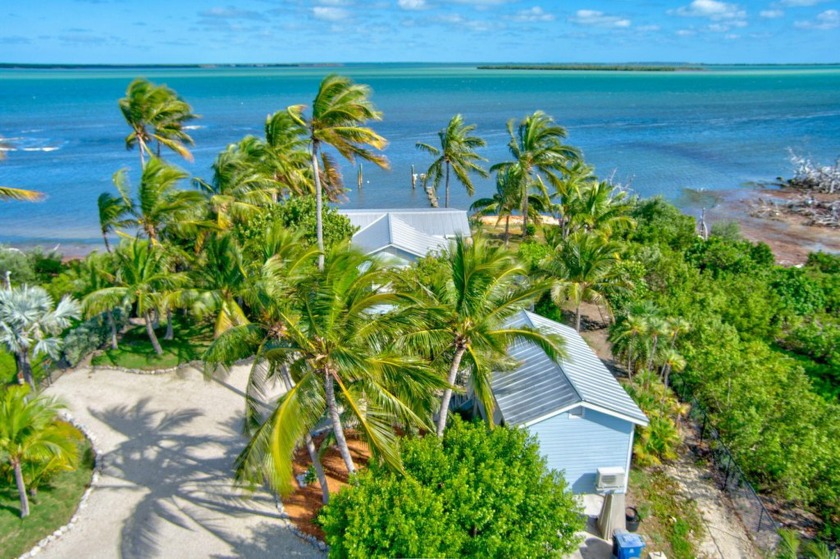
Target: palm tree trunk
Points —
{"points": [[577, 318], [652, 353], [25, 370], [310, 445], [107, 244], [151, 332], [525, 212], [319, 223], [112, 323], [335, 418], [507, 230], [447, 394], [446, 203], [21, 487], [319, 469], [170, 333]]}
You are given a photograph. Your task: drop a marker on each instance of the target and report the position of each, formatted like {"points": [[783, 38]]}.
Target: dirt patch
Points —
{"points": [[303, 505]]}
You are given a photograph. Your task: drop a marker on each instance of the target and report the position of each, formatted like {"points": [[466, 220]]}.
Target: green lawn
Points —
{"points": [[8, 369], [49, 510], [135, 350], [673, 524]]}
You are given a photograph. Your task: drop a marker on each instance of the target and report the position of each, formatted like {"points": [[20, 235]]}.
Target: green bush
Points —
{"points": [[476, 493], [660, 223], [91, 335]]}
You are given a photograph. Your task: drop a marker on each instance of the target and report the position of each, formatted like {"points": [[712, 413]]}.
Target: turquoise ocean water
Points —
{"points": [[660, 132]]}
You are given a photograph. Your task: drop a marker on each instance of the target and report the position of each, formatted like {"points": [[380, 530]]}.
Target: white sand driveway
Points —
{"points": [[168, 444]]}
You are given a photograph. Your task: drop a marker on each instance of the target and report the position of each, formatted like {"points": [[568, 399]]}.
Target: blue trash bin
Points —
{"points": [[627, 545]]}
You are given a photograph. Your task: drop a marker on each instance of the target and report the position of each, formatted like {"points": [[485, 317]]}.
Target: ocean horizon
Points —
{"points": [[659, 133]]}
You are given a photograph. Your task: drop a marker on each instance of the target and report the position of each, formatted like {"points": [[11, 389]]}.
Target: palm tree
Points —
{"points": [[31, 433], [470, 306], [506, 200], [600, 207], [538, 151], [628, 336], [29, 324], [334, 337], [671, 360], [339, 112], [456, 152], [111, 212], [576, 178], [19, 194], [160, 207], [155, 113], [142, 281], [583, 268]]}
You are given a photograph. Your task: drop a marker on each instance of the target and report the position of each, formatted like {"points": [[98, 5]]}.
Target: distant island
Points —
{"points": [[594, 67], [26, 66]]}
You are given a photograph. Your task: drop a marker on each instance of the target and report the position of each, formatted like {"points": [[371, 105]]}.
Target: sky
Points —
{"points": [[274, 31]]}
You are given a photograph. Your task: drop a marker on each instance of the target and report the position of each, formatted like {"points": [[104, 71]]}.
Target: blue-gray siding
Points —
{"points": [[579, 446]]}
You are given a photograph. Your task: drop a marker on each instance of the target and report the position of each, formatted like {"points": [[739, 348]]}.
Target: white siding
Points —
{"points": [[580, 445]]}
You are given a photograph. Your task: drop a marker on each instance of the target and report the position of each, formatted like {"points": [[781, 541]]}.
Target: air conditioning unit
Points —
{"points": [[609, 479]]}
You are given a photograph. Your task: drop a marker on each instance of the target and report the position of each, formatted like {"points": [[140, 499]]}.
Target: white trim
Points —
{"points": [[594, 407], [629, 457]]}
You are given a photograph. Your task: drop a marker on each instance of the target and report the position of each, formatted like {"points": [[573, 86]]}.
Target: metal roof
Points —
{"points": [[540, 387], [391, 231], [437, 222]]}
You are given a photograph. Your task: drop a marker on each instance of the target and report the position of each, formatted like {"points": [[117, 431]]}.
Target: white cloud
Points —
{"points": [[599, 19], [797, 3], [644, 28], [412, 4], [732, 37], [533, 14], [329, 13], [771, 14], [686, 32], [829, 19], [711, 9]]}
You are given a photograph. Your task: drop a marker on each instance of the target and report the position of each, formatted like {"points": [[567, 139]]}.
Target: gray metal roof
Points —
{"points": [[391, 231], [437, 222], [540, 387]]}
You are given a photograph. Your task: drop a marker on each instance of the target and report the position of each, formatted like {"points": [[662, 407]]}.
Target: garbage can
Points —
{"points": [[627, 545]]}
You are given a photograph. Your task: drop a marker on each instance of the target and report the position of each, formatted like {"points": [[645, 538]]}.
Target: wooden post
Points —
{"points": [[360, 176]]}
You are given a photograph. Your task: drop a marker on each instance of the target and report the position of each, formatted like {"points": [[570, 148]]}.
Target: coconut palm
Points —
{"points": [[628, 336], [333, 336], [506, 200], [155, 113], [582, 269], [670, 360], [576, 178], [536, 145], [143, 281], [112, 210], [160, 207], [456, 153], [599, 206], [339, 112], [30, 324], [469, 307], [30, 433]]}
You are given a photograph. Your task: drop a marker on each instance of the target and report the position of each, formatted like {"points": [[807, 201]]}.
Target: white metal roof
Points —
{"points": [[391, 231], [540, 388], [437, 222]]}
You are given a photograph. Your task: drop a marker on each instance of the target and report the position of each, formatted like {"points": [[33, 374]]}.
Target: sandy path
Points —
{"points": [[168, 444]]}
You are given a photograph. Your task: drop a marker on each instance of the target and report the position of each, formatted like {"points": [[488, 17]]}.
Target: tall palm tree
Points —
{"points": [[31, 433], [469, 307], [456, 153], [143, 280], [582, 269], [629, 336], [161, 206], [536, 145], [334, 336], [506, 200], [576, 178], [155, 113], [30, 324], [339, 112]]}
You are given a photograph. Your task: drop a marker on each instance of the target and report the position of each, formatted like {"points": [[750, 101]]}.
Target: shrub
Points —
{"points": [[476, 493], [659, 441], [91, 335]]}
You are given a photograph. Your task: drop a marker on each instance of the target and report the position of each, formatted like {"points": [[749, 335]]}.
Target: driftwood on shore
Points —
{"points": [[817, 199]]}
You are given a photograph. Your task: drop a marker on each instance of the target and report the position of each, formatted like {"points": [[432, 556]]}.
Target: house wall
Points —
{"points": [[580, 445]]}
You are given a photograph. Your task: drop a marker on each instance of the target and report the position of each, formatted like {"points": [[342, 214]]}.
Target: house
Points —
{"points": [[583, 418], [404, 236]]}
